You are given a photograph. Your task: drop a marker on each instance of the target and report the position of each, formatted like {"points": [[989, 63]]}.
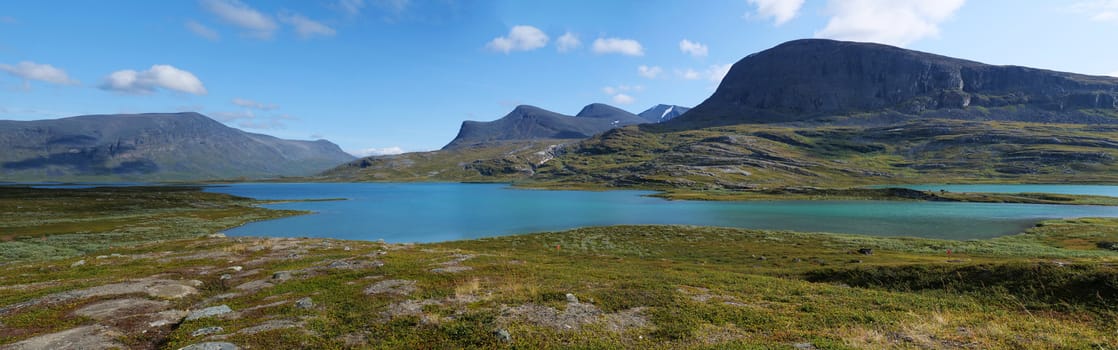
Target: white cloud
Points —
{"points": [[618, 93], [1098, 10], [28, 70], [569, 41], [202, 30], [620, 46], [158, 76], [8, 20], [520, 38], [377, 151], [305, 27], [1113, 74], [253, 104], [693, 48], [780, 11], [893, 22], [237, 13], [623, 99], [714, 73], [649, 72]]}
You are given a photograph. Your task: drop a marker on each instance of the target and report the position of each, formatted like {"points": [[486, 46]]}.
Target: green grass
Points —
{"points": [[44, 223], [655, 287]]}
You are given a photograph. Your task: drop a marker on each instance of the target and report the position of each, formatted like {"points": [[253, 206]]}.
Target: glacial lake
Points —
{"points": [[432, 212]]}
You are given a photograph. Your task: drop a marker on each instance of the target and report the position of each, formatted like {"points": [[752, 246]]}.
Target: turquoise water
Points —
{"points": [[429, 212], [1098, 190]]}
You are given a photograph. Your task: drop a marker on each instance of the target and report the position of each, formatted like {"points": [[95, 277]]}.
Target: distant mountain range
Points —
{"points": [[534, 123], [820, 112], [149, 147]]}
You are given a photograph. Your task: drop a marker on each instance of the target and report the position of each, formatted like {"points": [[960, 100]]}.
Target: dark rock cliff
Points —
{"points": [[814, 79]]}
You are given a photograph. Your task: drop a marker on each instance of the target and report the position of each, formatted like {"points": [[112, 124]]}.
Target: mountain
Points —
{"points": [[819, 80], [662, 113], [534, 123], [152, 147]]}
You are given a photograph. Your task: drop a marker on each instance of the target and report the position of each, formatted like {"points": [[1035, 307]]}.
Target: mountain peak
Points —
{"points": [[811, 79], [662, 113], [602, 110]]}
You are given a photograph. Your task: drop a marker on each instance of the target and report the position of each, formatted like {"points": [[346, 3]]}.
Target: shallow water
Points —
{"points": [[430, 212]]}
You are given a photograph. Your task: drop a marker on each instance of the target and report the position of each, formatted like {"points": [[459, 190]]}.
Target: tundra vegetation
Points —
{"points": [[147, 271]]}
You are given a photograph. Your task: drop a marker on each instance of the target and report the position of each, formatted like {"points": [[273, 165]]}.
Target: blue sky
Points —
{"points": [[384, 76]]}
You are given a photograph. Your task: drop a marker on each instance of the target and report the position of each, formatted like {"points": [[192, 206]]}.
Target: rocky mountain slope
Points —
{"points": [[834, 81], [829, 113], [147, 147], [533, 123]]}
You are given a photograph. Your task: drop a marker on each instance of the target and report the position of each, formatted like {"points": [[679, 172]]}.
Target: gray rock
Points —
{"points": [[85, 337], [78, 263], [211, 346], [209, 312], [401, 287], [865, 251], [804, 346], [207, 331], [304, 303], [503, 335], [451, 269], [110, 309], [571, 298], [281, 275], [269, 326]]}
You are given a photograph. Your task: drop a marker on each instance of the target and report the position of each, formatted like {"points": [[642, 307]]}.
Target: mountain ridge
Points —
{"points": [[152, 146], [816, 79], [526, 122]]}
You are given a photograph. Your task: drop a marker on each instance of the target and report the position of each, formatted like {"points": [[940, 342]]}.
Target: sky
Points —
{"points": [[391, 76]]}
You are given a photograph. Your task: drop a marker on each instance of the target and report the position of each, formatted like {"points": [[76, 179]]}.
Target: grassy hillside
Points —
{"points": [[755, 160], [658, 287]]}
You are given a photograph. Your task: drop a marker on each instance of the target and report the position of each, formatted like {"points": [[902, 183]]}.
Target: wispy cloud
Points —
{"points": [[8, 20], [305, 27], [620, 94], [618, 46], [781, 11], [158, 76], [269, 124], [377, 151], [255, 23], [623, 99], [247, 103], [520, 38], [693, 48], [234, 116], [567, 42], [887, 21], [351, 7], [202, 30], [649, 72], [28, 71], [1113, 74], [714, 73], [1098, 10]]}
